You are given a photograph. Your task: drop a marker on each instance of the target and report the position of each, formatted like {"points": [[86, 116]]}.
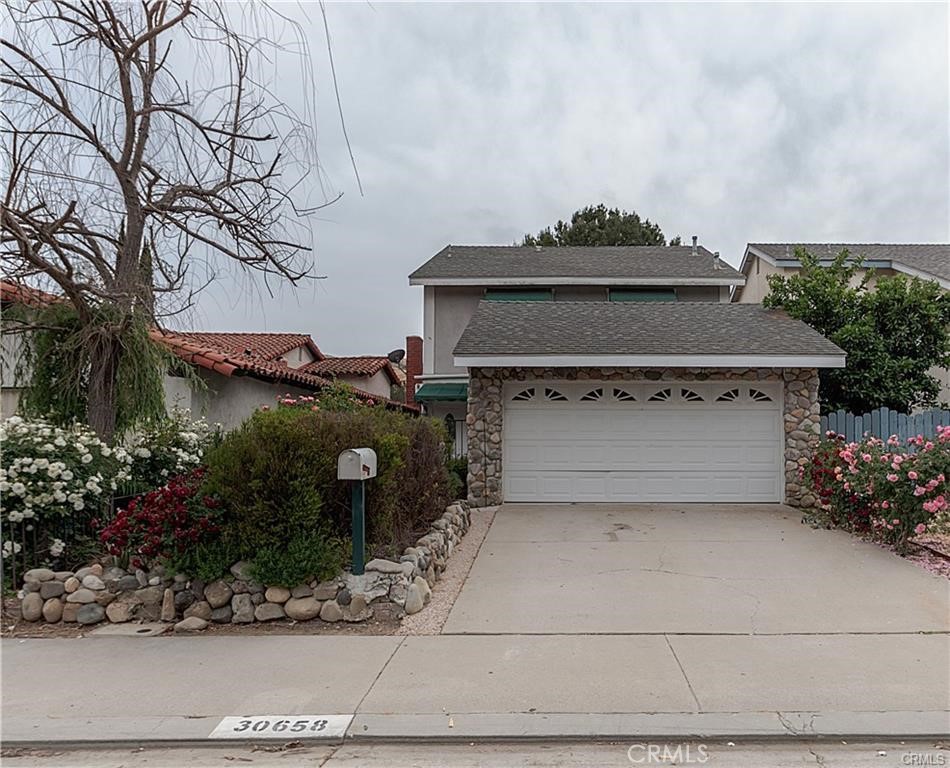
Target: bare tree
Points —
{"points": [[146, 150]]}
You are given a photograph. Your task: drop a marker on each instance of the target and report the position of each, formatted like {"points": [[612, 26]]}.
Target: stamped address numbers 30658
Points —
{"points": [[282, 727]]}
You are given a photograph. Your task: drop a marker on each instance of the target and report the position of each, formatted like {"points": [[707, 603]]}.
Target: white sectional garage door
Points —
{"points": [[643, 441]]}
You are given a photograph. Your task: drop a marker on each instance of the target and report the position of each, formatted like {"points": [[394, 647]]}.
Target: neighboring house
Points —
{"points": [[376, 375], [239, 372], [14, 377], [926, 261], [615, 374], [232, 374]]}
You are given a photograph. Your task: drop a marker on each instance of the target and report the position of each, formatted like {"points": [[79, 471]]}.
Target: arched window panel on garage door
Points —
{"points": [[593, 395], [728, 396], [524, 396], [623, 396]]}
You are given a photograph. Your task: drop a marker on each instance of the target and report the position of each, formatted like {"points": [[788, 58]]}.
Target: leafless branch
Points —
{"points": [[143, 133]]}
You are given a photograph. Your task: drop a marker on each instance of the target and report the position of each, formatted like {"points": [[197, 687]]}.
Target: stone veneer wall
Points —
{"points": [[486, 413], [387, 589]]}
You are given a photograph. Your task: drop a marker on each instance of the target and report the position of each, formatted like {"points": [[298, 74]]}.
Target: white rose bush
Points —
{"points": [[164, 449], [57, 483], [52, 480]]}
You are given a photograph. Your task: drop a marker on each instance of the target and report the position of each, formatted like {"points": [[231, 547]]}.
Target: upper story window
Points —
{"points": [[642, 294], [519, 294]]}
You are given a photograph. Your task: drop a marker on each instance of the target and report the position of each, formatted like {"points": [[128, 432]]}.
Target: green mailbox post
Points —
{"points": [[357, 465]]}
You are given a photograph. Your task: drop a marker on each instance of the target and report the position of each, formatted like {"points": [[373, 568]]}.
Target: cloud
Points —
{"points": [[477, 123]]}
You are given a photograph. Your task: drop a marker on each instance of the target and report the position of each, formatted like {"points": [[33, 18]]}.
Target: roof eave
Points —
{"points": [[738, 360], [898, 266]]}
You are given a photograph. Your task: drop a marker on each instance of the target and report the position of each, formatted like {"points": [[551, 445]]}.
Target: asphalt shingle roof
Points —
{"points": [[507, 261], [633, 328], [932, 259]]}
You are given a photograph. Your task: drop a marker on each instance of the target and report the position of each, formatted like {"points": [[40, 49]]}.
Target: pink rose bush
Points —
{"points": [[883, 488], [338, 397]]}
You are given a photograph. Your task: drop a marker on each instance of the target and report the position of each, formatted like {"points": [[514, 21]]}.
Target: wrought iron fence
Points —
{"points": [[27, 543]]}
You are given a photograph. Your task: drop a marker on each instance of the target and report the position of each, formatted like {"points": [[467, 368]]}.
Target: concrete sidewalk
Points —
{"points": [[177, 689]]}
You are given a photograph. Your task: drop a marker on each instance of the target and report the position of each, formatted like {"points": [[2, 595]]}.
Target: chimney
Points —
{"points": [[695, 241], [413, 366], [717, 264]]}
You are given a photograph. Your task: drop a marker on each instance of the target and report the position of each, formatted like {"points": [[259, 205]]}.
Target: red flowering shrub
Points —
{"points": [[877, 486], [163, 524]]}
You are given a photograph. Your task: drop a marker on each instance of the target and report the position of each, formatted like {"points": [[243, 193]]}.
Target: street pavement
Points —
{"points": [[562, 755]]}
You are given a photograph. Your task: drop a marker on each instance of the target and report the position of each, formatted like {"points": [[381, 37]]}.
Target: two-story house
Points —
{"points": [[616, 374], [926, 261]]}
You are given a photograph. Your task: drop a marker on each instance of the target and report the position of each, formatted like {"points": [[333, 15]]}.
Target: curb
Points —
{"points": [[487, 727]]}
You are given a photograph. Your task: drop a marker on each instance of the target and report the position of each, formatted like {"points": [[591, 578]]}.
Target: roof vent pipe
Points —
{"points": [[695, 241], [717, 264]]}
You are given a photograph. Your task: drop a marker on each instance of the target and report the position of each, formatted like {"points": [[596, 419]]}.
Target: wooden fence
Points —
{"points": [[883, 423]]}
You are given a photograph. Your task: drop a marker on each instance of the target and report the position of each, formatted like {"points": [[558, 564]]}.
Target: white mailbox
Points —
{"points": [[356, 464]]}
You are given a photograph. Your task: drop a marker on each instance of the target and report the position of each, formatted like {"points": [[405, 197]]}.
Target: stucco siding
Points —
{"points": [[453, 307], [178, 393], [11, 350], [377, 384], [757, 281], [298, 357], [943, 376], [758, 271], [228, 400], [9, 401]]}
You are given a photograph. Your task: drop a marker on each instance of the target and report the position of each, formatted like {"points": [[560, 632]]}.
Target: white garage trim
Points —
{"points": [[643, 441]]}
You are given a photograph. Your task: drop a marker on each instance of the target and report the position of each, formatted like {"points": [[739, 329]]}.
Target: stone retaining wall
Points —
{"points": [[387, 589], [801, 416]]}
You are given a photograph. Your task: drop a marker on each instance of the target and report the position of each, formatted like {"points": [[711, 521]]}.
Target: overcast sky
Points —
{"points": [[474, 124]]}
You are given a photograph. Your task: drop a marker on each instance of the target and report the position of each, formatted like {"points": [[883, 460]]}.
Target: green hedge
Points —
{"points": [[276, 479]]}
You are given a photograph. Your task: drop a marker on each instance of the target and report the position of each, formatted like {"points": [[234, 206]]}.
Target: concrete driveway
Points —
{"points": [[694, 569]]}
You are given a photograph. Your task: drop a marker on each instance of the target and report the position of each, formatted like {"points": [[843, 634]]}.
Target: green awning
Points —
{"points": [[454, 392]]}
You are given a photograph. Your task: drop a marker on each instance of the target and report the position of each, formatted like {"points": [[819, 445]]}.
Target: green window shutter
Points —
{"points": [[642, 294], [517, 294]]}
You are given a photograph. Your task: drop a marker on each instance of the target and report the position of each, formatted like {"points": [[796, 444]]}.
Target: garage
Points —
{"points": [[640, 402], [671, 441]]}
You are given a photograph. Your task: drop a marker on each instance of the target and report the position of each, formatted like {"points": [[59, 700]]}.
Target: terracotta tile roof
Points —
{"points": [[199, 349], [18, 293], [359, 365], [266, 346], [231, 354]]}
